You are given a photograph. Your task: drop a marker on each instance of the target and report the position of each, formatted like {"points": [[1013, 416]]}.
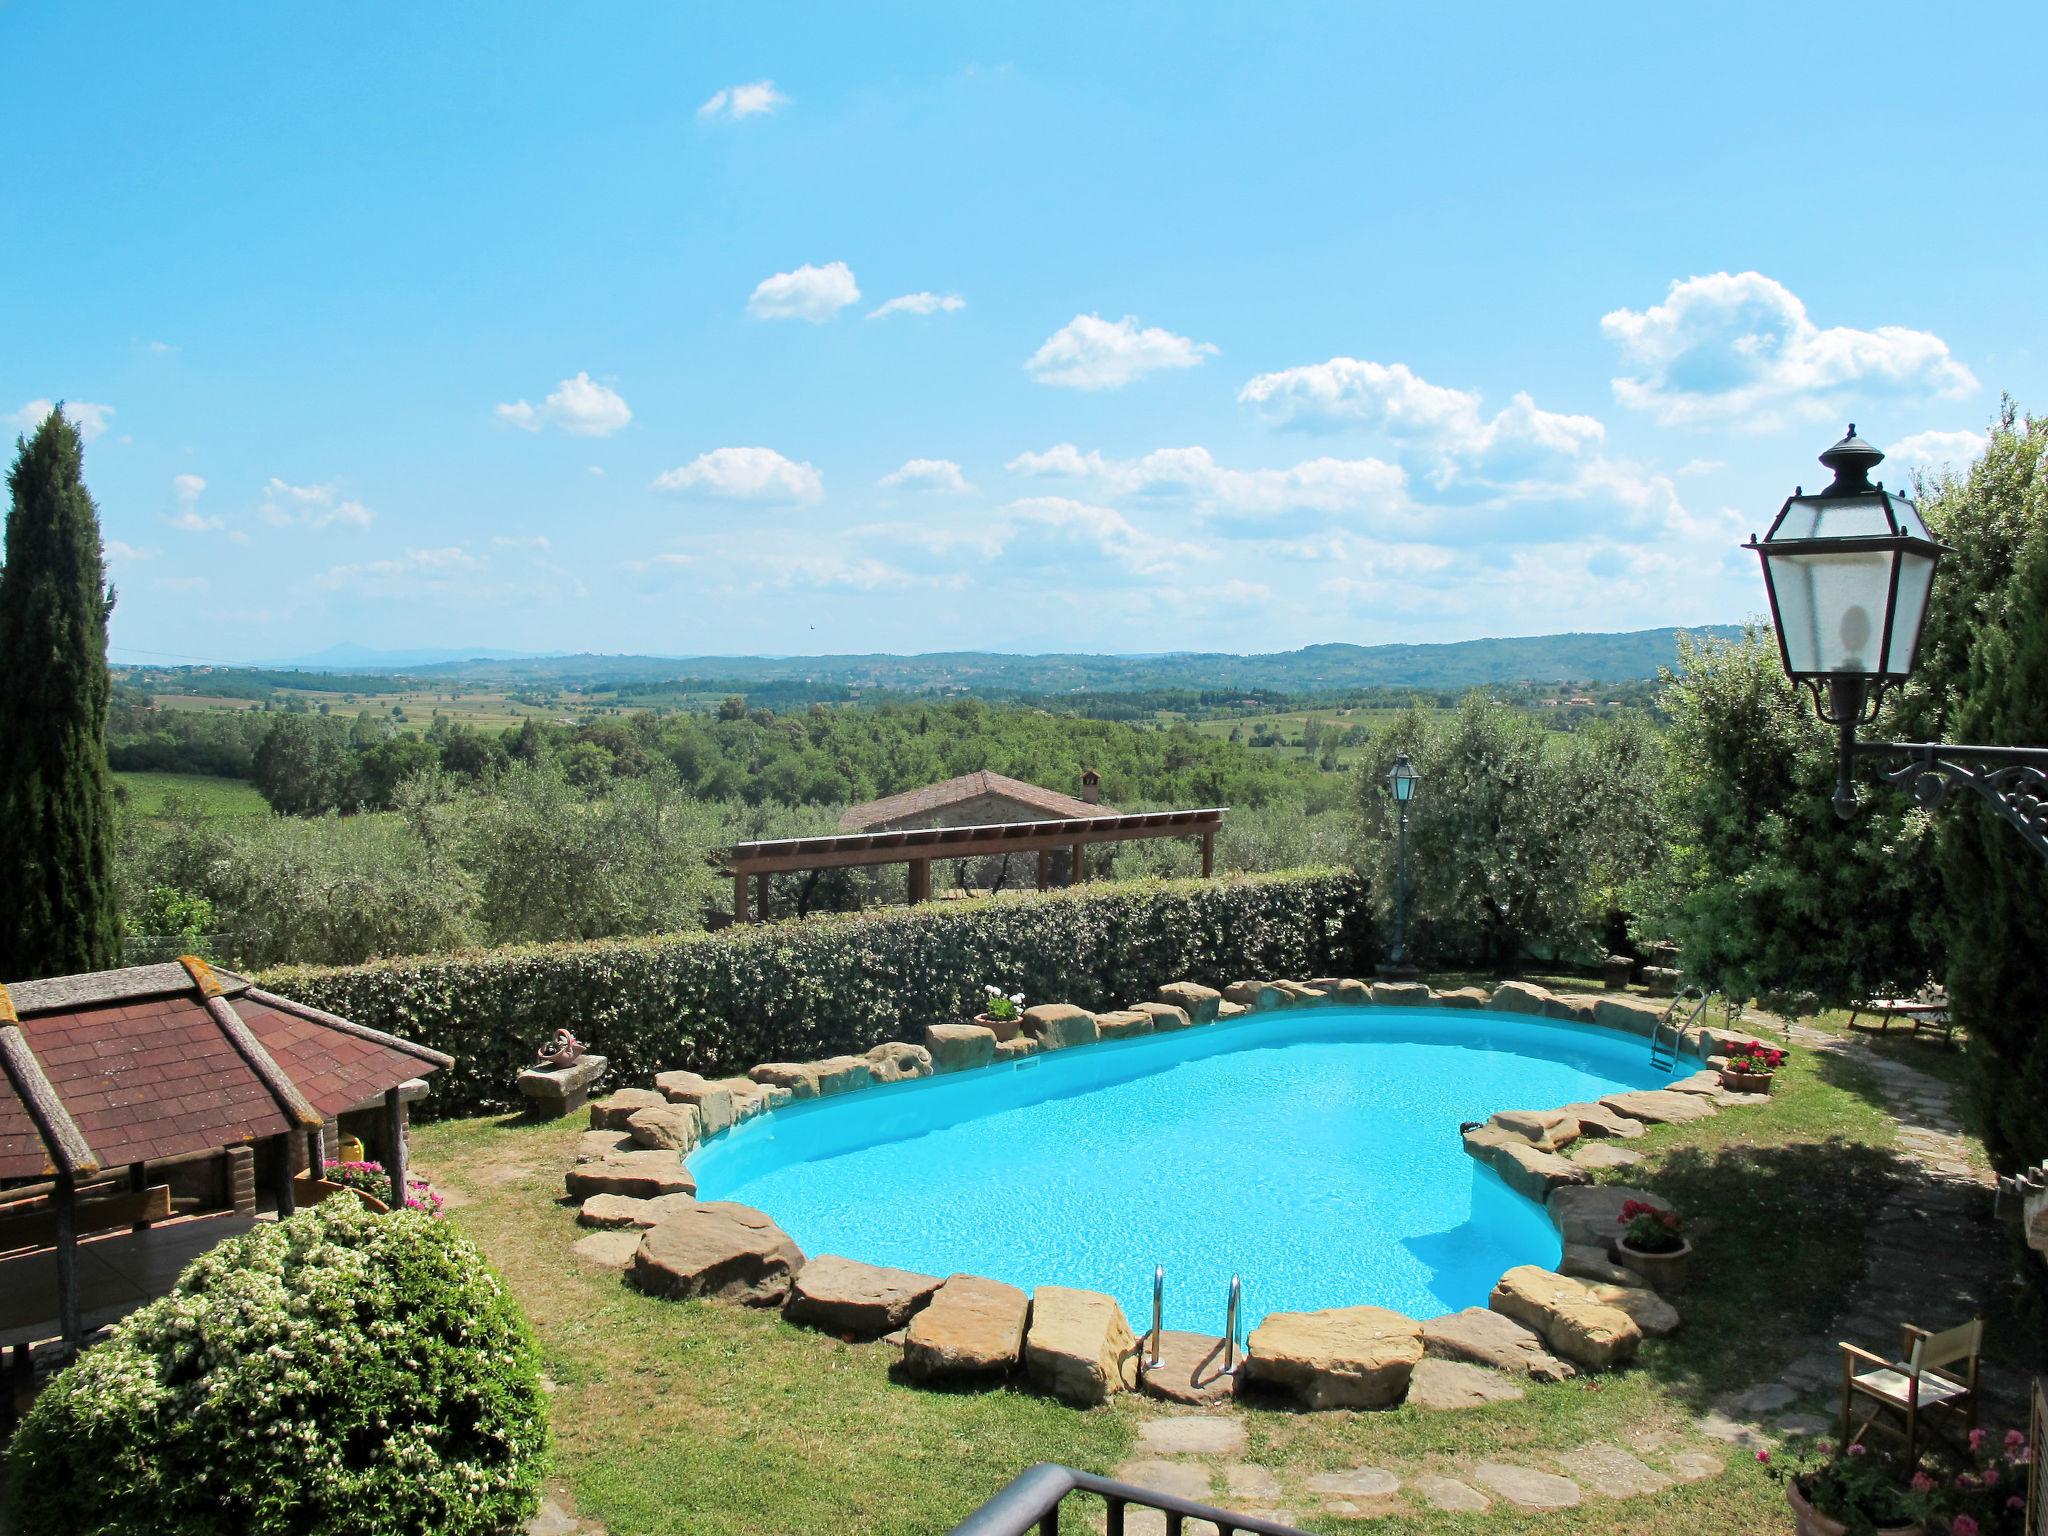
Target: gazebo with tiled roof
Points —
{"points": [[158, 1064]]}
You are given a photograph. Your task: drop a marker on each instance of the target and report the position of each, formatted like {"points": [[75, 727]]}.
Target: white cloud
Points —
{"points": [[1939, 450], [190, 521], [416, 571], [314, 506], [117, 550], [1739, 348], [580, 406], [537, 541], [918, 304], [90, 419], [187, 488], [809, 293], [1089, 352], [746, 474], [1062, 522], [926, 475], [1316, 485], [1701, 466], [738, 101]]}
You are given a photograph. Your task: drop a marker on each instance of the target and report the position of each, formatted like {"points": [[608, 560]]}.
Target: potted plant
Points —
{"points": [[1859, 1492], [1652, 1243], [1751, 1067], [1986, 1497], [373, 1183], [1003, 1013]]}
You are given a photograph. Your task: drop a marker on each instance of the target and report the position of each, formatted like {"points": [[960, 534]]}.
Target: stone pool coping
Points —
{"points": [[640, 1199]]}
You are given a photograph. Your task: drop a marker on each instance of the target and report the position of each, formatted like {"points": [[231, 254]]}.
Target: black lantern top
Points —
{"points": [[1402, 779], [1848, 570]]}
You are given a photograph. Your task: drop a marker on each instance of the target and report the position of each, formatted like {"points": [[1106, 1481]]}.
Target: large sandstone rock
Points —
{"points": [[1254, 994], [712, 1101], [641, 1175], [1122, 1023], [1660, 1106], [1079, 1346], [1447, 1385], [1527, 1170], [1226, 1011], [1461, 997], [616, 1212], [1481, 1337], [1300, 994], [799, 1078], [1650, 1312], [665, 1127], [865, 1300], [1547, 1130], [896, 1061], [843, 1074], [1164, 1016], [1599, 1120], [959, 1047], [1055, 1026], [1400, 994], [1590, 1261], [593, 1146], [1520, 997], [1633, 1015], [1345, 991], [1347, 1357], [612, 1113], [1705, 1081], [972, 1327], [718, 1249], [1570, 1314], [1198, 1002], [1015, 1047], [1572, 1008], [1592, 1216]]}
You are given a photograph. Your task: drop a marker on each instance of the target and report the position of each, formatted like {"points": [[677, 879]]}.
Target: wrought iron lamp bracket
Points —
{"points": [[2012, 780]]}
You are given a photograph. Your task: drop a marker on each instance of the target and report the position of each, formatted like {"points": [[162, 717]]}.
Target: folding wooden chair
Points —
{"points": [[1923, 1380]]}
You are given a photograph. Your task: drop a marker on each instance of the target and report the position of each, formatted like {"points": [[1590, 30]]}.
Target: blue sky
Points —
{"points": [[695, 329]]}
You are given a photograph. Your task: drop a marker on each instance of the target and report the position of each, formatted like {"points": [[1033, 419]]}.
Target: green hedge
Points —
{"points": [[719, 1003]]}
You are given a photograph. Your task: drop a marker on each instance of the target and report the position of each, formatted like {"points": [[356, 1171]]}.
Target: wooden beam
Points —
{"points": [[761, 894], [920, 881], [394, 1146], [71, 1320], [1080, 871], [281, 1170], [1045, 869], [961, 843], [1208, 854], [739, 898]]}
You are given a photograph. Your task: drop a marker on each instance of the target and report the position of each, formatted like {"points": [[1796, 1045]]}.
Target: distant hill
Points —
{"points": [[350, 657], [1314, 669]]}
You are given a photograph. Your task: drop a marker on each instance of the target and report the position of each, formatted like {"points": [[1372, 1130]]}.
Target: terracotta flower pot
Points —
{"points": [[1006, 1029], [1746, 1082], [1811, 1522], [1664, 1272]]}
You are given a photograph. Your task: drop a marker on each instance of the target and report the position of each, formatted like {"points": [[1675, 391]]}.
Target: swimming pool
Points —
{"points": [[1314, 1152]]}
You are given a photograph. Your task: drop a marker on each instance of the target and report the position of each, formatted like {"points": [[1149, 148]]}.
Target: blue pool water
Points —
{"points": [[1314, 1152]]}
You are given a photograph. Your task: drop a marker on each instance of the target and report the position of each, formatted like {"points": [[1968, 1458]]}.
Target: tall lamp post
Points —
{"points": [[1848, 571], [1401, 781]]}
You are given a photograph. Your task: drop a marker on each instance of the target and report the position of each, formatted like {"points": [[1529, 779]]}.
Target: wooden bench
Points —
{"points": [[32, 1223]]}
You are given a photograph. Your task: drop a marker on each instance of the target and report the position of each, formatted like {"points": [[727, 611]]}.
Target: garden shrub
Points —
{"points": [[333, 1374], [720, 1003]]}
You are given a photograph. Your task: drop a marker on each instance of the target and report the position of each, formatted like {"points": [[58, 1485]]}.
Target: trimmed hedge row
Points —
{"points": [[720, 1003]]}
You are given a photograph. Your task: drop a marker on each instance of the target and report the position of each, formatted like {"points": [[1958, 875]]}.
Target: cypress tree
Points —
{"points": [[1994, 914], [56, 805]]}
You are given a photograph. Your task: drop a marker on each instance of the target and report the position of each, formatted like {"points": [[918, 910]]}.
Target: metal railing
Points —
{"points": [[1678, 1020], [1032, 1503]]}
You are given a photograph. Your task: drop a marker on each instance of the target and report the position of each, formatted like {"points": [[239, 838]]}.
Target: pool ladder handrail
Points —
{"points": [[1152, 1359]]}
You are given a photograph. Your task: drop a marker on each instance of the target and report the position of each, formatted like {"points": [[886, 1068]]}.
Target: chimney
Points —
{"points": [[1091, 786]]}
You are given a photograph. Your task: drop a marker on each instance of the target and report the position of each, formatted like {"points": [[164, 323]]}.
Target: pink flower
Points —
{"points": [[1963, 1525], [1991, 1477], [2014, 1439], [2015, 1502], [1763, 1458], [1922, 1483], [1977, 1439], [1859, 1450]]}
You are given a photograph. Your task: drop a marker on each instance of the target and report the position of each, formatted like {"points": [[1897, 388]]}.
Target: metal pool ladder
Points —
{"points": [[1150, 1358], [1671, 1028]]}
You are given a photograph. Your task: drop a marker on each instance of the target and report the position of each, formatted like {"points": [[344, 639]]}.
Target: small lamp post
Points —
{"points": [[1401, 781], [1848, 571]]}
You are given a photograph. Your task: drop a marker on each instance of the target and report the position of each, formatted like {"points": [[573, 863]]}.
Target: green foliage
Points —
{"points": [[1519, 841], [1766, 889], [56, 803], [720, 1003], [1994, 911], [335, 1373]]}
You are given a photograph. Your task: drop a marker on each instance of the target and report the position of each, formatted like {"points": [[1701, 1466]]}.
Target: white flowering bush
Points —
{"points": [[331, 1375]]}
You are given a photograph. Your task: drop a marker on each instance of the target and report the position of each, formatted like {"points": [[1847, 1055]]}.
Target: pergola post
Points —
{"points": [[1080, 864], [70, 1317], [920, 881], [761, 904], [394, 1143], [1045, 869], [1208, 854], [739, 898], [281, 1161]]}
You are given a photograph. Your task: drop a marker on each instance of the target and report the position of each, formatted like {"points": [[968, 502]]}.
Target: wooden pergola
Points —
{"points": [[919, 846]]}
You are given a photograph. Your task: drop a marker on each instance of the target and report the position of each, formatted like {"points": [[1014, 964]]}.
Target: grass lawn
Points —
{"points": [[701, 1418], [214, 797]]}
